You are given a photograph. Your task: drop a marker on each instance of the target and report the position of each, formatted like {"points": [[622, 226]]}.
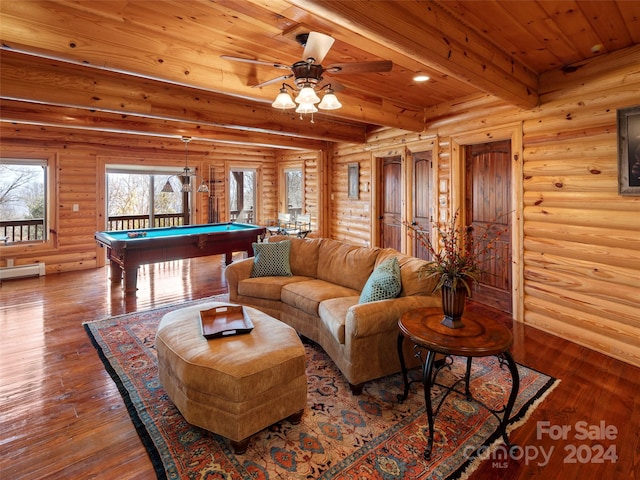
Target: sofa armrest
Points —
{"points": [[235, 272], [366, 319]]}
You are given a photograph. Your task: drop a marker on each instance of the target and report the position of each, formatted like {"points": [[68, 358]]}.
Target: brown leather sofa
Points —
{"points": [[320, 300]]}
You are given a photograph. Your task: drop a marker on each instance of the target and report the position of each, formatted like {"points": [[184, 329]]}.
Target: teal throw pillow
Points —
{"points": [[384, 282], [271, 259]]}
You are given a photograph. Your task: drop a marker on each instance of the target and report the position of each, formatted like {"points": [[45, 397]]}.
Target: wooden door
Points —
{"points": [[422, 164], [391, 201], [488, 206]]}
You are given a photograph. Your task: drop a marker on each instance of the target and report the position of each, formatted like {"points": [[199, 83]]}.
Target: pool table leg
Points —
{"points": [[228, 258], [115, 272], [131, 279]]}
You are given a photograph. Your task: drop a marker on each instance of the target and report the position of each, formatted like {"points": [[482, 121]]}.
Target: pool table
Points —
{"points": [[128, 249]]}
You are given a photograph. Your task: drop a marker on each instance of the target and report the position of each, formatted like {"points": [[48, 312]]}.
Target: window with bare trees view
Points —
{"points": [[23, 200], [293, 191], [135, 200], [242, 195]]}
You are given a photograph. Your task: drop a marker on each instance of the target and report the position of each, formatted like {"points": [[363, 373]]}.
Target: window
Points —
{"points": [[135, 199], [294, 199], [242, 195], [23, 200]]}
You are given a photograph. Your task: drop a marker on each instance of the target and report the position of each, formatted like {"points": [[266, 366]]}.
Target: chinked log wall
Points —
{"points": [[581, 247], [80, 180]]}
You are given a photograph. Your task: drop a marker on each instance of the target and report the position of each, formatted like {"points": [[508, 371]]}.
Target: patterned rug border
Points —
{"points": [[463, 472], [493, 442], [141, 428]]}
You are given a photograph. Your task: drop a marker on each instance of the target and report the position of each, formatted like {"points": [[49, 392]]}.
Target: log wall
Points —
{"points": [[580, 251]]}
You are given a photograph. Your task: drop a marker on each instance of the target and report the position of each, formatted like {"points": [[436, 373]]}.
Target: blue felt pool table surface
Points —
{"points": [[179, 231], [128, 249]]}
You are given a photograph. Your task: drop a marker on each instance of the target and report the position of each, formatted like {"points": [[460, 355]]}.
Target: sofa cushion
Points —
{"points": [[303, 257], [266, 287], [413, 283], [333, 313], [307, 295], [271, 259], [383, 283], [346, 265]]}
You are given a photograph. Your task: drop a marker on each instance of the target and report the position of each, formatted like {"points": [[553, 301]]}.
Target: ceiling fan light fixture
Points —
{"points": [[307, 95]]}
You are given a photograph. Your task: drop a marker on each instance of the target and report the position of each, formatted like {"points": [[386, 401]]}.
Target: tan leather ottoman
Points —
{"points": [[234, 386]]}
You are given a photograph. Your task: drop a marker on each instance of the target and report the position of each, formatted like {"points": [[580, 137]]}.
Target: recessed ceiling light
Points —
{"points": [[597, 48], [421, 78]]}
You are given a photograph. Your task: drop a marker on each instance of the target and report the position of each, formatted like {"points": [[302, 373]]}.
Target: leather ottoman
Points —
{"points": [[237, 385]]}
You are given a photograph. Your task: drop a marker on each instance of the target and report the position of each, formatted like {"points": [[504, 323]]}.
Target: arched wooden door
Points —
{"points": [[422, 164], [391, 203], [488, 205]]}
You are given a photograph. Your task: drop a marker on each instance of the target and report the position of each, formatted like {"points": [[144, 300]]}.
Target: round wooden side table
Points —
{"points": [[481, 336]]}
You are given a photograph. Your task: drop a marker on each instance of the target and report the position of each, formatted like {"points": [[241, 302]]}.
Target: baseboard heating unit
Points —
{"points": [[22, 271]]}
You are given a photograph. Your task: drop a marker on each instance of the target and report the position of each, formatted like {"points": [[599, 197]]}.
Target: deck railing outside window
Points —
{"points": [[133, 222], [13, 231], [246, 216]]}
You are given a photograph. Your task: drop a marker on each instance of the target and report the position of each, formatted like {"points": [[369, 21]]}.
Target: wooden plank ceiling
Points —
{"points": [[153, 69]]}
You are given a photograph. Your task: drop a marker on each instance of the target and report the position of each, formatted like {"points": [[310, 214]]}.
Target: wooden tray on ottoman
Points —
{"points": [[225, 320]]}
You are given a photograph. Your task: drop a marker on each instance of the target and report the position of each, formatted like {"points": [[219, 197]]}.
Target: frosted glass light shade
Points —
{"points": [[306, 108], [307, 95], [330, 102], [283, 101]]}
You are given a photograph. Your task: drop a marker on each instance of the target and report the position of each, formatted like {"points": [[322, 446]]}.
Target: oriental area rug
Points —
{"points": [[370, 436]]}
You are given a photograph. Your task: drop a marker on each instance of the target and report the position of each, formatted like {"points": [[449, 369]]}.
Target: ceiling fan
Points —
{"points": [[308, 72]]}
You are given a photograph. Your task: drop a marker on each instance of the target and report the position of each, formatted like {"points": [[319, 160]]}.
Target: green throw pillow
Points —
{"points": [[271, 259], [384, 282]]}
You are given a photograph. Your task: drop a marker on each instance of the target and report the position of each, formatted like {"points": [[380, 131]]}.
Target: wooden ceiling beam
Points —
{"points": [[24, 113], [52, 82], [433, 36], [52, 137]]}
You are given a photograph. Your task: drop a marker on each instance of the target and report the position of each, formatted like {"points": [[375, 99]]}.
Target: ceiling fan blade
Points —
{"points": [[273, 80], [317, 46], [257, 62], [360, 67]]}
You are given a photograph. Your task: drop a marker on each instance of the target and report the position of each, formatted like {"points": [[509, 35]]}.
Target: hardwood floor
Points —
{"points": [[61, 415]]}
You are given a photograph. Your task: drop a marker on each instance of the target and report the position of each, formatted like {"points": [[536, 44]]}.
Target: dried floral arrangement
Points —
{"points": [[459, 257]]}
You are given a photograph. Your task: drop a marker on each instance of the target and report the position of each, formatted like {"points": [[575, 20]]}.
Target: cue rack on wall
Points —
{"points": [[215, 194]]}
